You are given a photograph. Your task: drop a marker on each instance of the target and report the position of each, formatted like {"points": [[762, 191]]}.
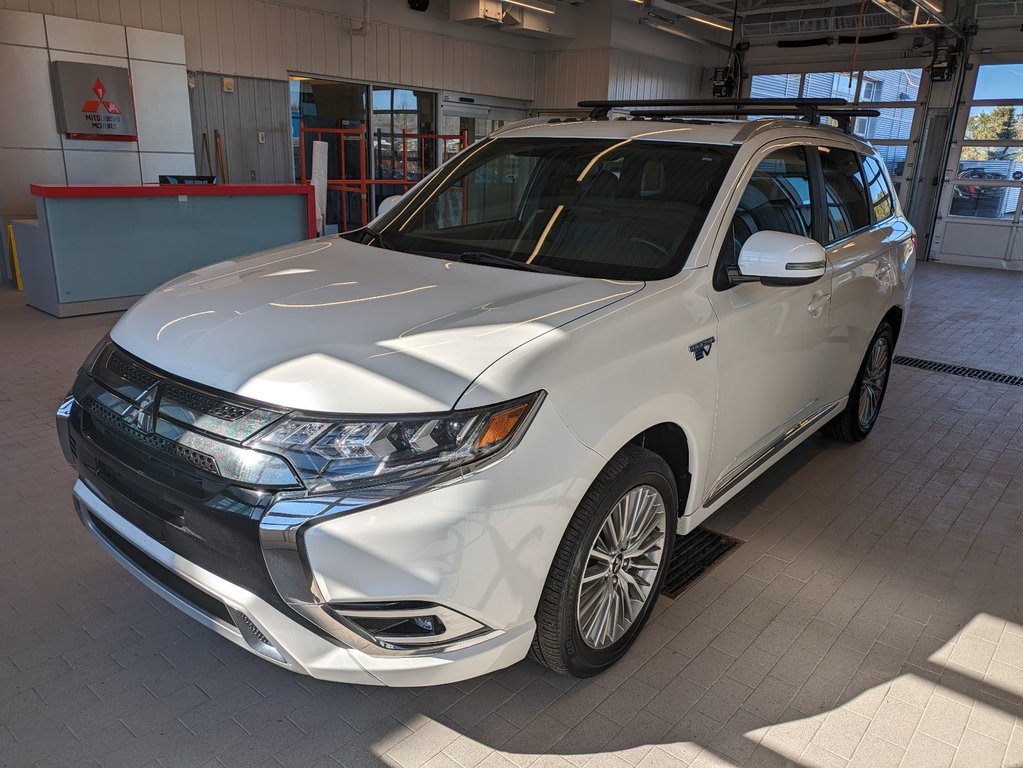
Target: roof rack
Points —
{"points": [[812, 110]]}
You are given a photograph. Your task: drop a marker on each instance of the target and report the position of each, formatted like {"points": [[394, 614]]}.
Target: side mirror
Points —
{"points": [[387, 204], [780, 258]]}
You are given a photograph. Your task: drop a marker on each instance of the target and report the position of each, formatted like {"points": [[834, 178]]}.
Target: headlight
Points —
{"points": [[333, 455]]}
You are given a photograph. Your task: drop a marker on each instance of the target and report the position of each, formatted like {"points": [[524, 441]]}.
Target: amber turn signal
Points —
{"points": [[501, 425]]}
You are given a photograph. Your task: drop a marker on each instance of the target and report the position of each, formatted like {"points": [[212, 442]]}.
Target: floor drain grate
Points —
{"points": [[959, 370], [694, 554]]}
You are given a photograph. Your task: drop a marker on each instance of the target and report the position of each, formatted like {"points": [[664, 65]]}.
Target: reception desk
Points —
{"points": [[99, 248]]}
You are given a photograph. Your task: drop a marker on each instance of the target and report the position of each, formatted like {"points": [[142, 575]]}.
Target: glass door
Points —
{"points": [[333, 112], [981, 202]]}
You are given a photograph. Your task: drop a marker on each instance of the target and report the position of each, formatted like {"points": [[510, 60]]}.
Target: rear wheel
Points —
{"points": [[608, 571], [867, 394]]}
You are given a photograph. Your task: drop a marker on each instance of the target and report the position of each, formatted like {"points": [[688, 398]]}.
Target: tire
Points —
{"points": [[871, 383], [639, 475]]}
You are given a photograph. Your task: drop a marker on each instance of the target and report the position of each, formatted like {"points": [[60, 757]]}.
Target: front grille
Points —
{"points": [[150, 439], [206, 404], [184, 589], [135, 375]]}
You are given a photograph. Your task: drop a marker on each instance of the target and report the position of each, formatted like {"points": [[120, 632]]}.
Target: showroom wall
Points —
{"points": [[257, 106], [31, 148]]}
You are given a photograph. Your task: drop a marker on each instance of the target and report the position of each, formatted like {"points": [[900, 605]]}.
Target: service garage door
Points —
{"points": [[980, 206]]}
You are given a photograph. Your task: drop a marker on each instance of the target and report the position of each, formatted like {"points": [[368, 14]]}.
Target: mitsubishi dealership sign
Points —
{"points": [[93, 101]]}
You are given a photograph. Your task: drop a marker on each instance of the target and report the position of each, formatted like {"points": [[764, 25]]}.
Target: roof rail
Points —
{"points": [[807, 108], [844, 117]]}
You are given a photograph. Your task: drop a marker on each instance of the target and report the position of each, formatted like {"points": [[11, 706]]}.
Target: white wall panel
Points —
{"points": [[170, 15], [87, 166], [161, 107], [224, 14], [26, 72], [88, 10], [151, 17], [635, 76], [332, 45], [156, 163], [155, 46], [131, 13], [23, 167], [85, 36], [20, 28], [564, 78]]}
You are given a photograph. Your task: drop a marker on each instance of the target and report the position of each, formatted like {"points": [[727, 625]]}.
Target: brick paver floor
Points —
{"points": [[871, 618]]}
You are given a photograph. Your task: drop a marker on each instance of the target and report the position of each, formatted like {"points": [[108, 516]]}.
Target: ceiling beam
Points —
{"points": [[896, 10]]}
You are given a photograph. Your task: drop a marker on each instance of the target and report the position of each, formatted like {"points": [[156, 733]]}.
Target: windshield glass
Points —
{"points": [[627, 210]]}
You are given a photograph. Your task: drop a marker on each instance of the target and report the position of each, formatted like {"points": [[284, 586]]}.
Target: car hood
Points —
{"points": [[331, 325]]}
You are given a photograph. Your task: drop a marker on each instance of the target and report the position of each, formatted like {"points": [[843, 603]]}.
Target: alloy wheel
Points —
{"points": [[621, 568], [875, 374]]}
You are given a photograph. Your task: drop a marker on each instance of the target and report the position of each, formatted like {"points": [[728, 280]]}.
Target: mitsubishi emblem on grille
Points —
{"points": [[143, 413]]}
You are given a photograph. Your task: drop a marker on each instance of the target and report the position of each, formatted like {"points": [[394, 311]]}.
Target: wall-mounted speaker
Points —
{"points": [[418, 5]]}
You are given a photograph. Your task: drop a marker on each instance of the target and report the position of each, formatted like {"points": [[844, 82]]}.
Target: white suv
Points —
{"points": [[417, 452]]}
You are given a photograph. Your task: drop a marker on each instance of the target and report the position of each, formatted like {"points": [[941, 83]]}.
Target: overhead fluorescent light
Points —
{"points": [[668, 27], [681, 10], [533, 5]]}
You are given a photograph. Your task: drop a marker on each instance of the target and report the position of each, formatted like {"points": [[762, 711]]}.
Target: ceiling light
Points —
{"points": [[680, 10], [671, 30], [533, 5]]}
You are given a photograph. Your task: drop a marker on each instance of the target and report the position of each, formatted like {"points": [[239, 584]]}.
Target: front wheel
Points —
{"points": [[610, 566], [867, 394]]}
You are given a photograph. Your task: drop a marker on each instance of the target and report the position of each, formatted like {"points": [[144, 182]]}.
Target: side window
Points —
{"points": [[777, 198], [844, 191], [491, 193], [881, 206]]}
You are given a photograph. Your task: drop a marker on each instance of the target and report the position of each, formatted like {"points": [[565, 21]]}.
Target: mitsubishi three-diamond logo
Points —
{"points": [[142, 414], [92, 105]]}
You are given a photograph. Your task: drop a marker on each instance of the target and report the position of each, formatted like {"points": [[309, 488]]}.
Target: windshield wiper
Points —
{"points": [[494, 260], [381, 241]]}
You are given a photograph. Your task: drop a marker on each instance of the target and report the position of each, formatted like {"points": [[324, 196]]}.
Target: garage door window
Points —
{"points": [[990, 169], [845, 193], [893, 92]]}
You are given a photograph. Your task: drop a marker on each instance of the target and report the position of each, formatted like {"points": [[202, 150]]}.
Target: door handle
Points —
{"points": [[816, 307]]}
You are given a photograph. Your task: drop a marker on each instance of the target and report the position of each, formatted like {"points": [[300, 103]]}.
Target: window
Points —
{"points": [[844, 192], [991, 159], [881, 206], [893, 92], [628, 210], [491, 193], [998, 81], [777, 198], [775, 86]]}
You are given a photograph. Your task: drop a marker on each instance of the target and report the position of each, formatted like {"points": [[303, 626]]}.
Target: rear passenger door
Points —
{"points": [[770, 339], [862, 228]]}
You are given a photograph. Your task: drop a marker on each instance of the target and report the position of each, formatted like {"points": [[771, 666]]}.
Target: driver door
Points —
{"points": [[771, 339]]}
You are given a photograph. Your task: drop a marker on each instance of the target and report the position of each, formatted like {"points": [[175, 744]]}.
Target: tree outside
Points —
{"points": [[1002, 123]]}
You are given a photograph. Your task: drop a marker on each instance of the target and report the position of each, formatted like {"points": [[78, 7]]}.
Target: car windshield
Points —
{"points": [[619, 209]]}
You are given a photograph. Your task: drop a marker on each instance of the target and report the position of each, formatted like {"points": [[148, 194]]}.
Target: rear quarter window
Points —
{"points": [[882, 204]]}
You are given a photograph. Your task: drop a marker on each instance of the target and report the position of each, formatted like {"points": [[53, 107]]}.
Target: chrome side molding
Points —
{"points": [[765, 454]]}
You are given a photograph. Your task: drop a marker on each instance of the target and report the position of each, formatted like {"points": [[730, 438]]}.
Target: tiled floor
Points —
{"points": [[872, 617]]}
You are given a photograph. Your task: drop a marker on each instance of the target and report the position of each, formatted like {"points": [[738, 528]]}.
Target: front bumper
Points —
{"points": [[296, 648], [480, 545]]}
